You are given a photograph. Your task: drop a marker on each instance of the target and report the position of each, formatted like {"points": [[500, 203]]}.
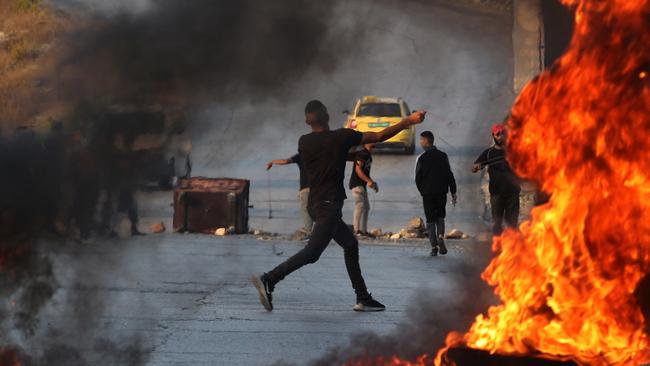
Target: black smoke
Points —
{"points": [[62, 186], [430, 318], [178, 51]]}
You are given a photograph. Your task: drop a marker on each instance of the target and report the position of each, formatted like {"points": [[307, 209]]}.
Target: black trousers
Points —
{"points": [[435, 206], [504, 207], [328, 225], [435, 212]]}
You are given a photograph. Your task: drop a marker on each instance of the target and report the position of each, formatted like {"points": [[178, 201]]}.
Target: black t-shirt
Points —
{"points": [[365, 158], [304, 182], [502, 178], [324, 155]]}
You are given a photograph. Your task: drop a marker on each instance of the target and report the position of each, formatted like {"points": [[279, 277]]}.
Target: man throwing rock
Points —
{"points": [[324, 153]]}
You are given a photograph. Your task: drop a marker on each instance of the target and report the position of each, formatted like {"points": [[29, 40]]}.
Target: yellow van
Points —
{"points": [[375, 113]]}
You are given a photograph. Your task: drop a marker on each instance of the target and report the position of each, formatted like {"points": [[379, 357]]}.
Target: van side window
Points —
{"points": [[406, 109]]}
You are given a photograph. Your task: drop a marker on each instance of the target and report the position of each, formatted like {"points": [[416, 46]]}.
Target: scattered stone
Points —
{"points": [[299, 235], [157, 228], [377, 232], [395, 236], [221, 231], [456, 234], [415, 223]]}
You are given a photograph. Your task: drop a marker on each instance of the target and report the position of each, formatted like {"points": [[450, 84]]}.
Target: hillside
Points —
{"points": [[29, 36]]}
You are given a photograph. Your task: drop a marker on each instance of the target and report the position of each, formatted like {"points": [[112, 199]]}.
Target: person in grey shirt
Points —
{"points": [[303, 194], [360, 181]]}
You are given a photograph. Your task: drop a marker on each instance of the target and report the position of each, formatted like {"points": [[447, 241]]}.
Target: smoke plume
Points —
{"points": [[97, 82]]}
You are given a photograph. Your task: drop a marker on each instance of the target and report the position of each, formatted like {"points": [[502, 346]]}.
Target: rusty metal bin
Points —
{"points": [[203, 205]]}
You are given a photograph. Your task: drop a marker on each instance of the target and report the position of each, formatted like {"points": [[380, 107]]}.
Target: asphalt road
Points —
{"points": [[175, 299], [186, 299]]}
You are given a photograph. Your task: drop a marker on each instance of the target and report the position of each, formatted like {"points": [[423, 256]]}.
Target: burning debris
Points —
{"points": [[587, 118], [573, 281]]}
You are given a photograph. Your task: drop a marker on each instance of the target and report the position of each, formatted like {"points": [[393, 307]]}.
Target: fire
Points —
{"points": [[423, 360], [574, 278], [9, 357], [567, 278]]}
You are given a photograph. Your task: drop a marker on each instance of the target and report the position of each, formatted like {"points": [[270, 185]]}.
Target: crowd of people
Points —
{"points": [[434, 180], [69, 183], [321, 159]]}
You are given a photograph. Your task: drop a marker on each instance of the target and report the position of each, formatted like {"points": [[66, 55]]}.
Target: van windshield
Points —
{"points": [[380, 110]]}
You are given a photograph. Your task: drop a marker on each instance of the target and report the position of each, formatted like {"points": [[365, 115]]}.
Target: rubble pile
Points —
{"points": [[263, 235], [456, 234], [415, 229]]}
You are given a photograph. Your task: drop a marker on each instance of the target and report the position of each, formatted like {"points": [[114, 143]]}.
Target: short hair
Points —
{"points": [[318, 109], [427, 135]]}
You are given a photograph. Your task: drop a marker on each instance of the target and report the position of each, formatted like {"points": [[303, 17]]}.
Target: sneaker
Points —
{"points": [[441, 245], [261, 283], [434, 251], [368, 304]]}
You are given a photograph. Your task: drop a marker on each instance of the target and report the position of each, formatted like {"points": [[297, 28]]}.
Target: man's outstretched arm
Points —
{"points": [[270, 164], [385, 134]]}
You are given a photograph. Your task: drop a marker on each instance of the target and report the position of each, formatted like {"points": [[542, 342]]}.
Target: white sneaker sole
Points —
{"points": [[257, 282], [366, 309]]}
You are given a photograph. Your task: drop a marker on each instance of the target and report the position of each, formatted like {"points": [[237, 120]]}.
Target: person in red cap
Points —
{"points": [[504, 183]]}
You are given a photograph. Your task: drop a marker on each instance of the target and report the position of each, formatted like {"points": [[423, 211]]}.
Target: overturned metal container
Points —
{"points": [[203, 205]]}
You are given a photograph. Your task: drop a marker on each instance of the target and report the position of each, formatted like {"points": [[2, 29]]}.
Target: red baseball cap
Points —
{"points": [[498, 128]]}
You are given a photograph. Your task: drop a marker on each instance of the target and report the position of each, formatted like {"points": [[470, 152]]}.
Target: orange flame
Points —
{"points": [[567, 278], [423, 360], [9, 357]]}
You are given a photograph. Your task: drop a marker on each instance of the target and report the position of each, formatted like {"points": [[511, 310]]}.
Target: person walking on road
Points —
{"points": [[434, 179], [360, 181], [303, 194], [504, 184], [324, 153]]}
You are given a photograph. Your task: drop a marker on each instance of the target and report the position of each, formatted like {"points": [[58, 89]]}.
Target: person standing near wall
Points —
{"points": [[504, 183], [434, 179], [360, 181], [303, 194]]}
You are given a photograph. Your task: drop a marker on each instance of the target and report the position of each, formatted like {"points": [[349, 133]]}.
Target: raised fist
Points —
{"points": [[417, 117]]}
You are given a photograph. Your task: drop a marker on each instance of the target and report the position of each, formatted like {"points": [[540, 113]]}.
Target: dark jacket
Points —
{"points": [[433, 174]]}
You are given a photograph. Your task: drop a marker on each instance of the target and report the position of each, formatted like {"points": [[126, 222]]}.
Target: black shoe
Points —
{"points": [[137, 233], [368, 304], [434, 251], [261, 283], [441, 245]]}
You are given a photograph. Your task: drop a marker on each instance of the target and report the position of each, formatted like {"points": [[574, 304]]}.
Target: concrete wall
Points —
{"points": [[527, 37]]}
